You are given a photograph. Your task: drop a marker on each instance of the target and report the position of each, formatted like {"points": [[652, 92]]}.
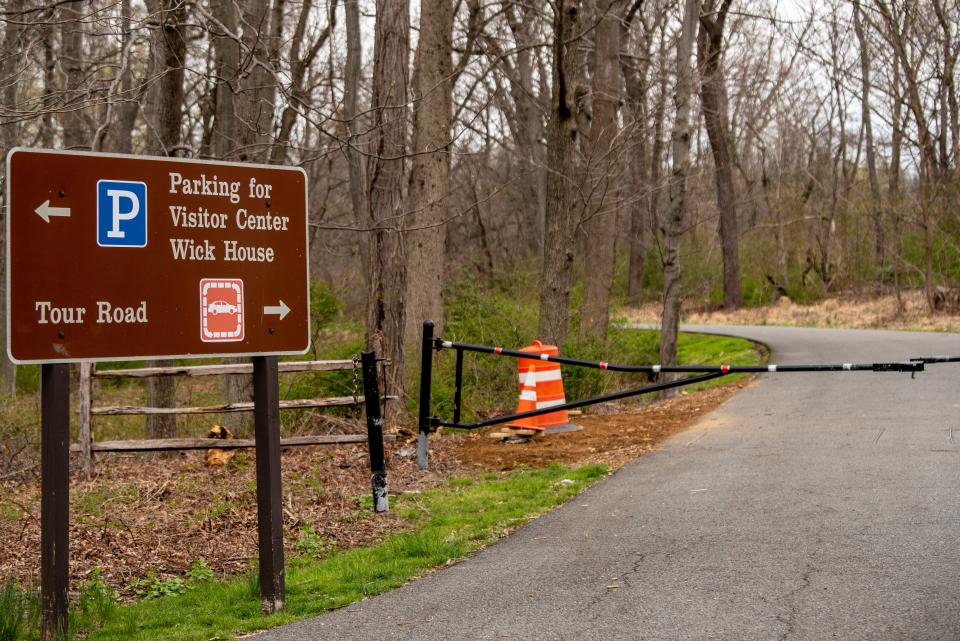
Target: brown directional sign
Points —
{"points": [[113, 257]]}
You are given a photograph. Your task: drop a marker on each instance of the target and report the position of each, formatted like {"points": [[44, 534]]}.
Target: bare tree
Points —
{"points": [[871, 153], [601, 222], [227, 142], [898, 23], [425, 234], [521, 19], [561, 212], [673, 225], [524, 146], [300, 62], [636, 68], [352, 84], [71, 64], [11, 64], [713, 93], [261, 26], [122, 133], [168, 48], [225, 134], [388, 269]]}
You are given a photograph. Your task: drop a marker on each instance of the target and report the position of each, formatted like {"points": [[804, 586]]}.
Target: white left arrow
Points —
{"points": [[280, 309], [46, 212]]}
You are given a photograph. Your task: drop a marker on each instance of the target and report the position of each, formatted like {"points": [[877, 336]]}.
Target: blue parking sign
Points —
{"points": [[121, 213]]}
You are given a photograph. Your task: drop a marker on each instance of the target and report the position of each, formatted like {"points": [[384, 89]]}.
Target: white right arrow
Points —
{"points": [[282, 310], [46, 212]]}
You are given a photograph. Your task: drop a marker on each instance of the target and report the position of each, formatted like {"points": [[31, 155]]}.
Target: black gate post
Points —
{"points": [[378, 464], [426, 377], [266, 416], [54, 499]]}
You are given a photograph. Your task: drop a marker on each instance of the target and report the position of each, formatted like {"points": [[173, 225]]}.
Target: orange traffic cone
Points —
{"points": [[527, 402], [549, 387]]}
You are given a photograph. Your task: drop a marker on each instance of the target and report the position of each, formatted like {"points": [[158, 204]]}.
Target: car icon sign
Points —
{"points": [[221, 307]]}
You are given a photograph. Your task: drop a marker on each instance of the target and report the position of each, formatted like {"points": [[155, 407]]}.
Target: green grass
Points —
{"points": [[19, 611], [718, 350], [445, 525]]}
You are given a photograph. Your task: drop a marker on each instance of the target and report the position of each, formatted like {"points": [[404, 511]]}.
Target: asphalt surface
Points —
{"points": [[810, 506]]}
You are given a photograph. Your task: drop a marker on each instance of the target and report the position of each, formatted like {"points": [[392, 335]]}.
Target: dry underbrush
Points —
{"points": [[910, 312]]}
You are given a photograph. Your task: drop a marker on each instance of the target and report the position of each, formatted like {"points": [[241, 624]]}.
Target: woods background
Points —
{"points": [[727, 152]]}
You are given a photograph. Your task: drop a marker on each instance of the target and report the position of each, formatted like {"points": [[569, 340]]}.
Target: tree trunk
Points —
{"points": [[560, 223], [425, 235], [894, 195], [949, 87], [122, 134], [10, 70], [50, 89], [226, 48], [71, 45], [713, 93], [385, 304], [636, 70], [259, 29], [169, 51], [639, 223], [601, 226], [875, 201], [656, 155], [356, 144], [673, 225], [521, 20], [227, 143]]}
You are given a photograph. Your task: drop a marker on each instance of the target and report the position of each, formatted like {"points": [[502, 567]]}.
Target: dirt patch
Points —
{"points": [[909, 312], [612, 439]]}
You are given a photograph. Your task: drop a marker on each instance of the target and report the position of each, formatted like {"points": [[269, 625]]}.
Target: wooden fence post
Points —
{"points": [[85, 418]]}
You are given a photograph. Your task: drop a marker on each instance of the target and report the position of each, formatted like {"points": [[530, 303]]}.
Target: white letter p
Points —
{"points": [[116, 195]]}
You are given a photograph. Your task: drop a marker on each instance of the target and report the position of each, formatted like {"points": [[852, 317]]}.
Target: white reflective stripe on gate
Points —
{"points": [[543, 404], [542, 376]]}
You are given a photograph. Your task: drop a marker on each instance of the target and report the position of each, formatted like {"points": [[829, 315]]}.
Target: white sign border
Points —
{"points": [[197, 161]]}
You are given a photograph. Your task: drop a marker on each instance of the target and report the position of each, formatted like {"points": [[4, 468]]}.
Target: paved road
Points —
{"points": [[808, 507]]}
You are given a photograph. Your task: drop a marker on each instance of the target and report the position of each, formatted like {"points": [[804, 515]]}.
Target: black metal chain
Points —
{"points": [[356, 377]]}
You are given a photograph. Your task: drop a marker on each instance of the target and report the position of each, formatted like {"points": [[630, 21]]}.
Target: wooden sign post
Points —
{"points": [[54, 498], [266, 425], [113, 257]]}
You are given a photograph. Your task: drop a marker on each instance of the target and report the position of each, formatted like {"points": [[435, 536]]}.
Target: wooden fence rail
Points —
{"points": [[217, 370], [88, 374], [225, 408], [172, 444]]}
